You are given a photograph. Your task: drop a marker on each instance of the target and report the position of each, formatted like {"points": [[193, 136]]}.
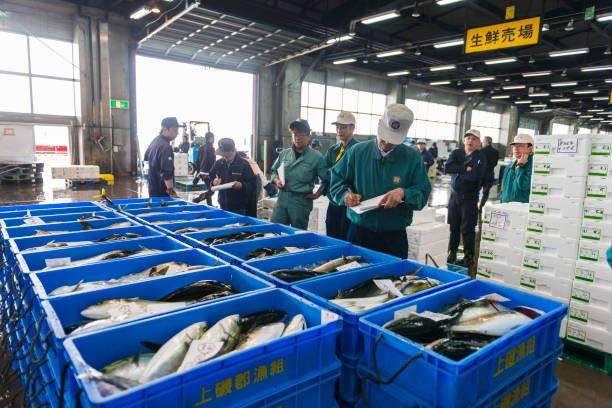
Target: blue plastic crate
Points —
{"points": [[439, 381], [48, 211], [64, 311], [187, 216], [458, 269], [155, 201], [36, 261], [286, 361], [535, 386], [143, 212], [20, 222], [217, 222], [236, 252], [195, 239], [62, 227], [45, 206], [264, 266], [320, 290]]}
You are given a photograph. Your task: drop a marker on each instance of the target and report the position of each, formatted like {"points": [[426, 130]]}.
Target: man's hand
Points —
{"points": [[352, 199], [468, 168], [278, 183], [311, 196], [216, 181], [237, 185], [523, 159], [171, 192], [392, 198]]}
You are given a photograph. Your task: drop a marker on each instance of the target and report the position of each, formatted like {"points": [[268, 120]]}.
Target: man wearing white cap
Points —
{"points": [[467, 166], [516, 182], [337, 223], [428, 159], [383, 167]]}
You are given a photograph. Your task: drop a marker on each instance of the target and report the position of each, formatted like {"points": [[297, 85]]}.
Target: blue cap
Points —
{"points": [[316, 142]]}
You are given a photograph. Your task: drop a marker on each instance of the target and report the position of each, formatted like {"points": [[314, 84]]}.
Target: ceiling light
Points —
{"points": [[500, 97], [445, 2], [570, 25], [509, 87], [484, 78], [140, 13], [604, 17], [389, 53], [597, 119], [586, 91], [569, 83], [459, 83], [500, 61], [380, 17], [398, 73], [560, 100], [595, 110], [564, 73], [539, 94], [523, 102], [440, 83], [415, 13], [568, 52], [538, 105], [419, 74], [469, 67], [443, 67], [155, 10], [545, 27], [417, 52], [339, 39], [607, 51], [344, 61], [536, 73], [531, 60], [451, 43], [600, 98], [474, 90], [606, 121], [596, 68], [585, 116]]}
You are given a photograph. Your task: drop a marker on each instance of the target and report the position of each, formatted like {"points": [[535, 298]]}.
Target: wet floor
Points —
{"points": [[579, 386]]}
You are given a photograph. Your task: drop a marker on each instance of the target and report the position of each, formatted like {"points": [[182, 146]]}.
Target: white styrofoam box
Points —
{"points": [[440, 259], [593, 251], [419, 251], [548, 264], [596, 231], [269, 202], [592, 295], [534, 282], [560, 166], [601, 146], [553, 226], [495, 271], [506, 215], [600, 166], [441, 218], [562, 247], [500, 253], [425, 216], [592, 273], [566, 207], [76, 172], [509, 237], [266, 213], [589, 336], [17, 143], [427, 233], [562, 145], [597, 209], [181, 164], [583, 313], [598, 187], [563, 328], [566, 187]]}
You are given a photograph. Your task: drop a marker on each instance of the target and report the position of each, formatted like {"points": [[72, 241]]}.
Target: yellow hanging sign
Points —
{"points": [[506, 35], [509, 12]]}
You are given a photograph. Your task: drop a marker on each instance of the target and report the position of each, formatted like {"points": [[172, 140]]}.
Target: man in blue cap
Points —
{"points": [[316, 144], [160, 156]]}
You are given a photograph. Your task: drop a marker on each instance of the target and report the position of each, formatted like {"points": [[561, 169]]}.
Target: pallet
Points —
{"points": [[587, 356], [86, 183], [21, 178], [21, 168]]}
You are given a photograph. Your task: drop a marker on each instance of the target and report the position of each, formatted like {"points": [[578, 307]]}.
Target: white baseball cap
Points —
{"points": [[421, 141], [473, 132], [394, 124], [522, 138], [344, 118]]}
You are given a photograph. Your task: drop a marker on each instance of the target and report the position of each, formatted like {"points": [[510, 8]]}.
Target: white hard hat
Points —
{"points": [[344, 118], [394, 124], [522, 138]]}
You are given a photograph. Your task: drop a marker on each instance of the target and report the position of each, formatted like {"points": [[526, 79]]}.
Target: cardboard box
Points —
{"points": [[591, 273], [597, 209], [491, 251], [585, 314], [593, 251], [570, 208], [560, 166], [562, 145], [588, 335], [422, 234], [425, 216], [553, 226], [598, 187], [419, 251], [561, 187], [509, 237], [562, 247], [548, 264]]}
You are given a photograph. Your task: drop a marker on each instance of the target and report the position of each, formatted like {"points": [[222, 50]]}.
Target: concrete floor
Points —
{"points": [[579, 386]]}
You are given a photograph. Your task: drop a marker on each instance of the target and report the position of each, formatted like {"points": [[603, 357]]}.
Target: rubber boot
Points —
{"points": [[469, 242], [453, 245]]}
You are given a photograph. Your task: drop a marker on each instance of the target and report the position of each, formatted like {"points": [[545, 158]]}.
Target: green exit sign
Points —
{"points": [[117, 104]]}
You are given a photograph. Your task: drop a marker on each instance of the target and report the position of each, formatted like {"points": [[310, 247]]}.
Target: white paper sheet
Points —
{"points": [[225, 186], [281, 173]]}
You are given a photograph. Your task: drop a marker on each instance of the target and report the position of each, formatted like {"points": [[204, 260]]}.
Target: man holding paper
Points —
{"points": [[294, 173], [388, 175], [233, 177]]}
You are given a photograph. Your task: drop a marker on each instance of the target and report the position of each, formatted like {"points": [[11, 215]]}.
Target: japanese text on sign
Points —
{"points": [[514, 396], [513, 34], [507, 360]]}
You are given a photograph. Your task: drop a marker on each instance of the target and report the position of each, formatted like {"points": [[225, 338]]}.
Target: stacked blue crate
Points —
{"points": [[196, 238], [215, 224]]}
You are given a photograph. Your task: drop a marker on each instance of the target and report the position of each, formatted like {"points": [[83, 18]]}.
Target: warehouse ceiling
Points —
{"points": [[250, 34]]}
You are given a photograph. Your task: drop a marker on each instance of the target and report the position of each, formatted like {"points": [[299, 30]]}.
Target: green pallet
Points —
{"points": [[19, 177], [587, 356]]}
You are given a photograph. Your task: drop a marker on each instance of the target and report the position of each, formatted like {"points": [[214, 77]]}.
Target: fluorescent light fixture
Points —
{"points": [[586, 92], [585, 116], [536, 73], [595, 110], [500, 97], [500, 60], [569, 83], [140, 13], [440, 83], [388, 15], [604, 17], [523, 102], [541, 110], [597, 118], [606, 121], [568, 52], [596, 68], [600, 98], [609, 81], [473, 90], [398, 73], [344, 61], [445, 2], [538, 105], [389, 53], [444, 44], [560, 100], [443, 67], [510, 87], [484, 78], [155, 10], [539, 94], [339, 39]]}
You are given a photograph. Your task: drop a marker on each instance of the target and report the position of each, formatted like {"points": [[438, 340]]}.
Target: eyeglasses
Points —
{"points": [[300, 135]]}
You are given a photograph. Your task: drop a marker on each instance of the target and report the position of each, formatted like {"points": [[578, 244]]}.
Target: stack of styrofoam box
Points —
{"points": [[268, 204], [181, 165], [318, 215], [501, 241], [590, 311], [426, 236], [76, 172]]}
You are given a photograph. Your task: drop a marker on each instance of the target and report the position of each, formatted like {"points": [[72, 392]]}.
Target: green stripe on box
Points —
{"points": [[585, 258], [593, 238], [533, 230], [584, 279], [482, 274], [527, 285], [575, 338], [593, 218], [541, 152], [598, 174], [536, 212], [597, 195], [539, 193], [488, 239], [532, 267], [597, 154], [542, 172], [486, 257], [579, 319], [532, 247], [580, 299]]}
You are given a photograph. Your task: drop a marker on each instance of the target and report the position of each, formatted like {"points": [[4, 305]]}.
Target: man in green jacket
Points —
{"points": [[516, 182], [301, 165], [387, 168]]}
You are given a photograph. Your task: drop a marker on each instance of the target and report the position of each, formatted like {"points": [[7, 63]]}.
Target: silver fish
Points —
{"points": [[130, 368], [296, 325], [492, 325], [261, 335], [357, 305], [335, 263], [129, 307]]}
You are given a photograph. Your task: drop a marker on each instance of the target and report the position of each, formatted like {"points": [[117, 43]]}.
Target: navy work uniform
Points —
{"points": [[160, 156]]}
